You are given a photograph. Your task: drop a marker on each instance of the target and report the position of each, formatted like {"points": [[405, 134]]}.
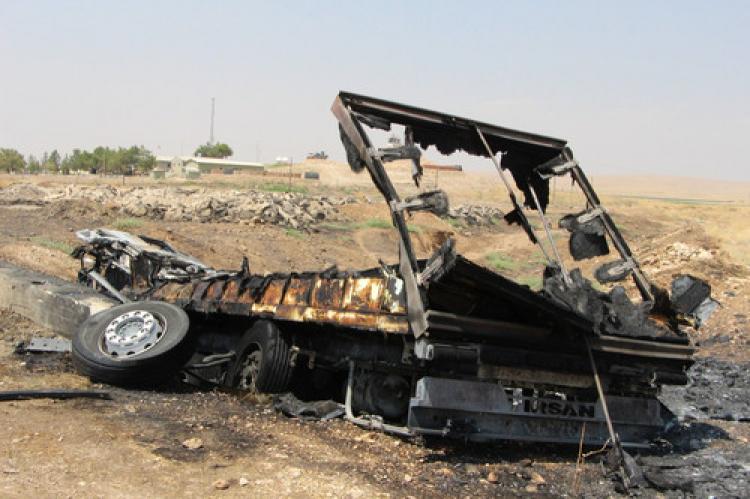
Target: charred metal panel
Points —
{"points": [[230, 301], [298, 292], [394, 298], [328, 293], [198, 302], [273, 293], [370, 303], [363, 294], [483, 411]]}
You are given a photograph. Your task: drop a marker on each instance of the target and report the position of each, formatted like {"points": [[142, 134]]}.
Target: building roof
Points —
{"points": [[209, 161]]}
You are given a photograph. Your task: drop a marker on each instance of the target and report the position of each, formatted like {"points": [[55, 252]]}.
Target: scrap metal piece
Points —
{"points": [[436, 202], [106, 285], [322, 410], [613, 271], [586, 234], [691, 297], [45, 345]]}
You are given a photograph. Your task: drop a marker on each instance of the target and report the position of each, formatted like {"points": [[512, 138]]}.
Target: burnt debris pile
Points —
{"points": [[716, 390]]}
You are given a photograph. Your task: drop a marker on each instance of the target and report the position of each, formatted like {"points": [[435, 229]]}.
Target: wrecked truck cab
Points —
{"points": [[437, 346]]}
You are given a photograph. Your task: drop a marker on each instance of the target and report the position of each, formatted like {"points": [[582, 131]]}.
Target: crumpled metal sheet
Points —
{"points": [[323, 410]]}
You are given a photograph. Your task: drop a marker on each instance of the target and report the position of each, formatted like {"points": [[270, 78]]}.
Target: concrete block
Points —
{"points": [[51, 302]]}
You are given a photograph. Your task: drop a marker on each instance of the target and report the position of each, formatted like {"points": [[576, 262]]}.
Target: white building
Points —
{"points": [[192, 166]]}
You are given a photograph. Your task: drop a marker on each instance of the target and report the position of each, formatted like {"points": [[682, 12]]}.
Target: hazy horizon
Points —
{"points": [[637, 88]]}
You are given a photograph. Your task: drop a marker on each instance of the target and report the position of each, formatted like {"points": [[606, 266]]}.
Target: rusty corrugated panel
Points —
{"points": [[344, 318], [328, 293], [231, 289], [356, 302], [231, 298], [394, 298], [363, 294], [298, 292], [198, 298], [169, 292], [274, 292]]}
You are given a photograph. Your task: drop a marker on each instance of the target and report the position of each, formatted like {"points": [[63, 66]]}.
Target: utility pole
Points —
{"points": [[291, 162], [211, 136]]}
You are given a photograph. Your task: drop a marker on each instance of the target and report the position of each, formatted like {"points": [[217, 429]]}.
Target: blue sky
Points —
{"points": [[636, 87]]}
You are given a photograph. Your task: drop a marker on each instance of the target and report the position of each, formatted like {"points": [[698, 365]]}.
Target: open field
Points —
{"points": [[57, 448]]}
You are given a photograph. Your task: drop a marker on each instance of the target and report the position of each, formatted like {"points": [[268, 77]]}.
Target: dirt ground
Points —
{"points": [[133, 444]]}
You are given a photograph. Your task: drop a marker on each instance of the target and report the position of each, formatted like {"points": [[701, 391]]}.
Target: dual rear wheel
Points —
{"points": [[263, 355]]}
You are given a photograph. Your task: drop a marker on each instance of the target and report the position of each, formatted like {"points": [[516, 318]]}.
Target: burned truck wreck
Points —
{"points": [[436, 346]]}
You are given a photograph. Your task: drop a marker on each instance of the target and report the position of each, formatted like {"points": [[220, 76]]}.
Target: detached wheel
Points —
{"points": [[134, 343], [263, 361]]}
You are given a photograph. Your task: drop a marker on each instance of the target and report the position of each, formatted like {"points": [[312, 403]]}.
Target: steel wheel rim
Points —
{"points": [[250, 369], [132, 334]]}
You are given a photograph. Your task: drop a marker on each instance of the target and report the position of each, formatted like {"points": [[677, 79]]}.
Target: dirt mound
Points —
{"points": [[22, 194]]}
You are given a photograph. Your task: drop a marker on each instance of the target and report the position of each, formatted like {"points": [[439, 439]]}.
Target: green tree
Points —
{"points": [[80, 160], [52, 163], [141, 159], [11, 161], [218, 150], [33, 164]]}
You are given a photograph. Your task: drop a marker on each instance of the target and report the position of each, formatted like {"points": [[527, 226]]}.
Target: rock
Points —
{"points": [[669, 481], [492, 477], [407, 478], [136, 210], [221, 484], [176, 204], [447, 472], [244, 481], [537, 478], [531, 488], [472, 469], [475, 215], [193, 443]]}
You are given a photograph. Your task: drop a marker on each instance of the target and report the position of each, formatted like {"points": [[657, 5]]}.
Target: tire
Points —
{"points": [[263, 360], [103, 348]]}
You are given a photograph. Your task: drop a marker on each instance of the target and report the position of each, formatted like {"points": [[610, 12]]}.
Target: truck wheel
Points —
{"points": [[133, 343], [263, 361]]}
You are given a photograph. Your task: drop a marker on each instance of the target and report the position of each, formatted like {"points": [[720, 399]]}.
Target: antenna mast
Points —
{"points": [[211, 136]]}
